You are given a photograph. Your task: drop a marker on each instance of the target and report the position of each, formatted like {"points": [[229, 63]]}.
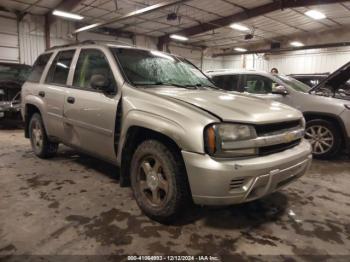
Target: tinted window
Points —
{"points": [[257, 84], [227, 82], [39, 67], [59, 69], [92, 63]]}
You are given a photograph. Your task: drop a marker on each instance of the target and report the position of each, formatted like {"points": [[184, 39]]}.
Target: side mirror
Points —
{"points": [[280, 90], [100, 82]]}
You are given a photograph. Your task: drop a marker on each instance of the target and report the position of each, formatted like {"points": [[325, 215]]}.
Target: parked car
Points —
{"points": [[174, 135], [12, 76], [326, 107], [310, 79]]}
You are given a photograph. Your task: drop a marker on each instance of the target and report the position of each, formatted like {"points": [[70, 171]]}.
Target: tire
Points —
{"points": [[41, 145], [324, 137], [159, 182]]}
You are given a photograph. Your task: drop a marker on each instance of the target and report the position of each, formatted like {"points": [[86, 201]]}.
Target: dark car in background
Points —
{"points": [[12, 77], [310, 79]]}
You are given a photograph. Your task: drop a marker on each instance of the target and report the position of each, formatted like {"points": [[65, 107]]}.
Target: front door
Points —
{"points": [[262, 87], [89, 113]]}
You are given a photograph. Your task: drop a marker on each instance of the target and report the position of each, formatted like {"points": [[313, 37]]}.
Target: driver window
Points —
{"points": [[91, 62], [257, 84]]}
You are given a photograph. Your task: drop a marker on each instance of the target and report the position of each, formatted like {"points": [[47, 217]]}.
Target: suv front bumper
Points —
{"points": [[225, 182]]}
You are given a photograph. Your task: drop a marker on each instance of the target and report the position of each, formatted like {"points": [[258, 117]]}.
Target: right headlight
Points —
{"points": [[220, 138]]}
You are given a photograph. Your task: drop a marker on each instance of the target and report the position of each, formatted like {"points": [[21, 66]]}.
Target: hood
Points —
{"points": [[336, 79], [234, 107]]}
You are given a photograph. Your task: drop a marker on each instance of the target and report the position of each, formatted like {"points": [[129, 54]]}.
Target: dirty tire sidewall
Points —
{"points": [[178, 195], [47, 149], [336, 147]]}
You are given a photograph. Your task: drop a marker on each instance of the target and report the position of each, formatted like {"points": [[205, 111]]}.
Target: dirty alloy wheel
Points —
{"points": [[159, 182], [41, 145], [325, 139]]}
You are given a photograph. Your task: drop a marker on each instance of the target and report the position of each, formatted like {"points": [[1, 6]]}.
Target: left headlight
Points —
{"points": [[220, 138]]}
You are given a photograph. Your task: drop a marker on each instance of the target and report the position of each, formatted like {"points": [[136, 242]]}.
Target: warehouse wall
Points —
{"points": [[9, 45], [25, 40], [303, 61]]}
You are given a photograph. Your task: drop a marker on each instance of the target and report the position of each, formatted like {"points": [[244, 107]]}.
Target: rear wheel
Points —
{"points": [[41, 145], [324, 138], [159, 181]]}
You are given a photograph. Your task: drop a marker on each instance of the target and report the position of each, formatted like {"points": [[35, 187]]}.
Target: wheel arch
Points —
{"points": [[134, 136]]}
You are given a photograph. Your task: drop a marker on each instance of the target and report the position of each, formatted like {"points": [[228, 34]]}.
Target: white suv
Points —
{"points": [[326, 107]]}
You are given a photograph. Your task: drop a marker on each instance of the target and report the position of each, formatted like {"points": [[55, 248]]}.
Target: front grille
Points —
{"points": [[236, 183], [266, 150], [266, 129]]}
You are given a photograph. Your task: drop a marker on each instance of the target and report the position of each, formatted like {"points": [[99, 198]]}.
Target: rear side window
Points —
{"points": [[92, 63], [227, 82], [59, 69], [39, 67]]}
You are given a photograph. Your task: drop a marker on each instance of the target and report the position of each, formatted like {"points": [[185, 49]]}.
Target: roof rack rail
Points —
{"points": [[85, 42]]}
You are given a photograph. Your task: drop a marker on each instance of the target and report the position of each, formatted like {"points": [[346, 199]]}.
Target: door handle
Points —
{"points": [[70, 100], [42, 93]]}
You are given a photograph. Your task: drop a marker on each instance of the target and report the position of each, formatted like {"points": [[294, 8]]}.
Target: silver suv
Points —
{"points": [[176, 138], [326, 107]]}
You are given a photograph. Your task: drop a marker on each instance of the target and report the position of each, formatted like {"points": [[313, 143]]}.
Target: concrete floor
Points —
{"points": [[73, 204]]}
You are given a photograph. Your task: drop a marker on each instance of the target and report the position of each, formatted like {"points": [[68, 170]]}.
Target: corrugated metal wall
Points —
{"points": [[9, 47], [31, 38], [303, 61]]}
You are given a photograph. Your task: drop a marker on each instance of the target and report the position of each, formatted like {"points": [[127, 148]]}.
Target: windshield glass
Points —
{"points": [[144, 67], [18, 73], [293, 83]]}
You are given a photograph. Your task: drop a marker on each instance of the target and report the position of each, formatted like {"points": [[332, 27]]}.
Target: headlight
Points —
{"points": [[219, 139], [347, 106]]}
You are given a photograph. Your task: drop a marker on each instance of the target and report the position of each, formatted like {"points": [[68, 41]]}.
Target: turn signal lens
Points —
{"points": [[210, 140]]}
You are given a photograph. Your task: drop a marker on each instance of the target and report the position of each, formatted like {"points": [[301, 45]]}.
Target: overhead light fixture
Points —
{"points": [[67, 15], [179, 37], [315, 14], [84, 28], [240, 49], [296, 44], [239, 27]]}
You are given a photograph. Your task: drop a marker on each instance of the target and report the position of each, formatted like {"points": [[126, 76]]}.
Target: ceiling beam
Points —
{"points": [[245, 14], [287, 49]]}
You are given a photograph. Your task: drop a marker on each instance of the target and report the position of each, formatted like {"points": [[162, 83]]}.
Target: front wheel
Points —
{"points": [[324, 137], [159, 181], [41, 145]]}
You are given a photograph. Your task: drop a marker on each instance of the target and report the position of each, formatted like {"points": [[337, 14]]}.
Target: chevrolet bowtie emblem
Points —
{"points": [[289, 137]]}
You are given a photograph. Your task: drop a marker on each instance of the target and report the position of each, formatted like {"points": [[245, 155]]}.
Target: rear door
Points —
{"points": [[53, 91], [90, 114]]}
